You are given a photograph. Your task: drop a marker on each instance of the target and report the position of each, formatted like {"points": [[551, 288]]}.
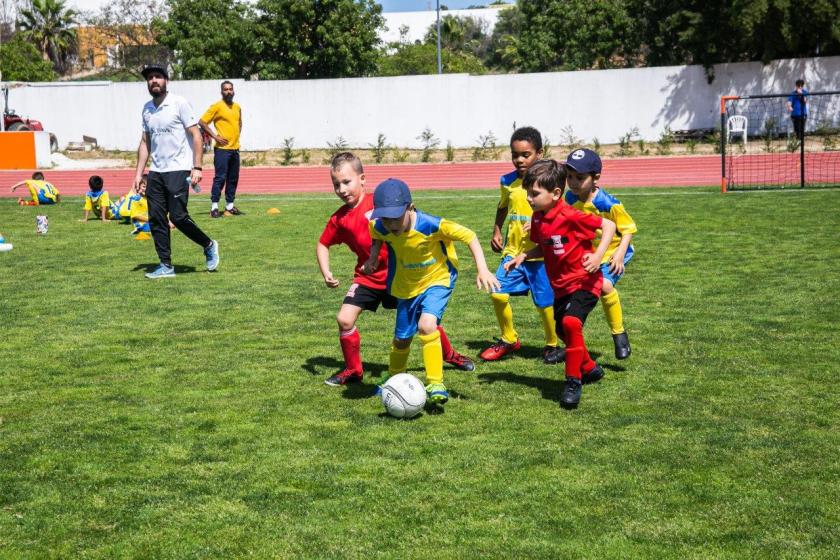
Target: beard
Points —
{"points": [[158, 93], [227, 98]]}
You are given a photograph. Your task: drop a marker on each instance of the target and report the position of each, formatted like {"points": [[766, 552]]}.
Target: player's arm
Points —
{"points": [[103, 210], [484, 279], [497, 242], [142, 159], [592, 261], [18, 185], [626, 227], [531, 254], [322, 253], [370, 264], [198, 149], [220, 140]]}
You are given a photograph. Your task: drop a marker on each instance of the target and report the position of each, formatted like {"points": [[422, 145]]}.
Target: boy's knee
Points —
{"points": [[607, 287], [427, 324], [345, 322]]}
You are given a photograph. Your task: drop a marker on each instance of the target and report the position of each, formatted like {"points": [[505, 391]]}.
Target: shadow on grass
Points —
{"points": [[325, 366], [179, 268], [526, 351], [551, 389]]}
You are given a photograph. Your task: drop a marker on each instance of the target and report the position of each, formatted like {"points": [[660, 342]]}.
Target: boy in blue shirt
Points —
{"points": [[798, 108]]}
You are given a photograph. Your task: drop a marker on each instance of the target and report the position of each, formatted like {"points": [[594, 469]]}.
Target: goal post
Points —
{"points": [[764, 146]]}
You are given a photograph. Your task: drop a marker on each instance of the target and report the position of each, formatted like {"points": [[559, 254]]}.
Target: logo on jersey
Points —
{"points": [[557, 243]]}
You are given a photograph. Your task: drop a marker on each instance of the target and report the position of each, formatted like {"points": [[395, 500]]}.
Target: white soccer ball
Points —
{"points": [[403, 396]]}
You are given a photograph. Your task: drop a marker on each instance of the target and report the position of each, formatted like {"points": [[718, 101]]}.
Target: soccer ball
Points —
{"points": [[403, 396]]}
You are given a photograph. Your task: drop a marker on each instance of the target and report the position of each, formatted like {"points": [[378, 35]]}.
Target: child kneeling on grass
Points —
{"points": [[97, 200], [40, 190], [422, 269], [563, 237]]}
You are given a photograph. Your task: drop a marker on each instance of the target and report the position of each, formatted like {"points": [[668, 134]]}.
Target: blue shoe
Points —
{"points": [[162, 271], [212, 254]]}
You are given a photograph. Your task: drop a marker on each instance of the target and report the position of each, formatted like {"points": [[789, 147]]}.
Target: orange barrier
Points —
{"points": [[23, 150]]}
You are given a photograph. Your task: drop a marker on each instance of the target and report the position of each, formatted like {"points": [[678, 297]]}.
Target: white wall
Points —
{"points": [[457, 107]]}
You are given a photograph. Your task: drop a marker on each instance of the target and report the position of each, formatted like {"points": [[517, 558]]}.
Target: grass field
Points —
{"points": [[187, 418]]}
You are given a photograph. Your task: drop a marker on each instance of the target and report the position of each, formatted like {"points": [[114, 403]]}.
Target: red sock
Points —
{"points": [[577, 356], [445, 345], [350, 342]]}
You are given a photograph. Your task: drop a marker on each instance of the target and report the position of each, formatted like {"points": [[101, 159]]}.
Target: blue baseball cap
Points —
{"points": [[390, 199], [584, 160]]}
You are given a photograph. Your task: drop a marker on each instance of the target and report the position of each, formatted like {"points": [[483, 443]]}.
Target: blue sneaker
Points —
{"points": [[162, 271], [212, 254]]}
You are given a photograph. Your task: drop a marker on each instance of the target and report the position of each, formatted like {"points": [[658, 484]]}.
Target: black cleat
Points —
{"points": [[622, 346], [593, 375], [571, 393], [215, 213], [553, 355], [460, 361]]}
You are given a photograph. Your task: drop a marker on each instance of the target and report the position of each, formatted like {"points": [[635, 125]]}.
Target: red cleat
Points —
{"points": [[343, 378], [499, 350], [459, 361]]}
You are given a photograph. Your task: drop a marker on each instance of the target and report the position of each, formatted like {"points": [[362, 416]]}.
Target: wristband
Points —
{"points": [[197, 168]]}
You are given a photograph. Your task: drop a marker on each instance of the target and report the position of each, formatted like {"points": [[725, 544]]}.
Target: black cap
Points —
{"points": [[154, 67]]}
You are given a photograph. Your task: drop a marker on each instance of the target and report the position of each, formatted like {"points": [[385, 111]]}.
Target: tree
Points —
{"points": [[503, 50], [20, 61], [410, 60], [461, 34], [125, 28], [211, 39], [318, 38], [47, 24]]}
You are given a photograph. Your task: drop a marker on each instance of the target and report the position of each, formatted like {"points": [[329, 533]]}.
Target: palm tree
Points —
{"points": [[47, 23]]}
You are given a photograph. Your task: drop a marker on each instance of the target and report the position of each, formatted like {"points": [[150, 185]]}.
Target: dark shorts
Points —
{"points": [[368, 298], [577, 304]]}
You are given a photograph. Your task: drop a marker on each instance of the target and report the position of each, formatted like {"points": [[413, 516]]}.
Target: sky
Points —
{"points": [[420, 5]]}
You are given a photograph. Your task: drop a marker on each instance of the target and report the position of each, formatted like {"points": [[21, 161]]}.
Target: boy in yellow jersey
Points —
{"points": [[226, 118], [422, 268], [40, 190], [97, 200], [583, 168], [134, 208], [513, 209]]}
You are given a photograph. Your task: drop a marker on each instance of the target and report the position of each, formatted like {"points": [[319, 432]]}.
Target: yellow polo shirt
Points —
{"points": [[227, 120]]}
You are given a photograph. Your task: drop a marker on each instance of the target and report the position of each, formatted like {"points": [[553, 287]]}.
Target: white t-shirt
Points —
{"points": [[167, 124]]}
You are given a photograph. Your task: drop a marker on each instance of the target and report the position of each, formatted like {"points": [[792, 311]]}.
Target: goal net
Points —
{"points": [[765, 145]]}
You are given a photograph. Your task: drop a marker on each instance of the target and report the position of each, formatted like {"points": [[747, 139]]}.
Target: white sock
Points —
{"points": [[229, 206], [214, 206]]}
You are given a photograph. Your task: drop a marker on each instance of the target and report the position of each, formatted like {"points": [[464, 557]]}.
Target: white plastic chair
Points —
{"points": [[737, 124]]}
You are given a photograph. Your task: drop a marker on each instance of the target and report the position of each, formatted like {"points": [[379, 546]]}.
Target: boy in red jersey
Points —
{"points": [[564, 239], [349, 225]]}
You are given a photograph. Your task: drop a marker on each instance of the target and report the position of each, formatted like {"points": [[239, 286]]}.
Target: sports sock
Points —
{"points": [[445, 345], [432, 357], [577, 356], [350, 342], [547, 317], [214, 206], [229, 206], [398, 359], [504, 316], [612, 310]]}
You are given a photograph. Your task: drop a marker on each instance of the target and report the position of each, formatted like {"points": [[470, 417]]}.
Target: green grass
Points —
{"points": [[188, 418]]}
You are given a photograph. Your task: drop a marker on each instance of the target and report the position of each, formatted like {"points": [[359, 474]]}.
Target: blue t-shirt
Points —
{"points": [[799, 103]]}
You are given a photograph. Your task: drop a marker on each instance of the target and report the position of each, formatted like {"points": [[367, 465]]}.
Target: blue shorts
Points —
{"points": [[530, 276], [611, 276], [42, 199], [432, 301]]}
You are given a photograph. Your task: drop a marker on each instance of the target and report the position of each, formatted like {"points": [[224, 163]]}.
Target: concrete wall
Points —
{"points": [[457, 107]]}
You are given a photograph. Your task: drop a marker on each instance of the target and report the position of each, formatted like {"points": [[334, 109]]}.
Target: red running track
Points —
{"points": [[631, 172]]}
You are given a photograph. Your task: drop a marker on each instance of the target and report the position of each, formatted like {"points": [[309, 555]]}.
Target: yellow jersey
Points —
{"points": [[42, 192], [95, 201], [227, 120], [607, 206], [423, 256], [514, 198]]}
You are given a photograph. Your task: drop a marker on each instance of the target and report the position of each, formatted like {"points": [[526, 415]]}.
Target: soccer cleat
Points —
{"points": [[459, 361], [343, 378], [437, 393], [571, 393], [162, 271], [215, 213], [234, 212], [499, 350], [593, 375], [622, 346], [553, 355], [212, 254]]}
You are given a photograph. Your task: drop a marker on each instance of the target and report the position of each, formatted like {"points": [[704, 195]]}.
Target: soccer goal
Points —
{"points": [[763, 147]]}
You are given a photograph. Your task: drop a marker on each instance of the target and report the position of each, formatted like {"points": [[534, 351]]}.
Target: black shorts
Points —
{"points": [[368, 298], [577, 304]]}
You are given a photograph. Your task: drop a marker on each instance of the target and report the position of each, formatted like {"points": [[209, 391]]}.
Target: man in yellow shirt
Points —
{"points": [[226, 118]]}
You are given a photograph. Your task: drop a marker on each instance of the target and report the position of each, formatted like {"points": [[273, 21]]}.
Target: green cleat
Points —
{"points": [[437, 393]]}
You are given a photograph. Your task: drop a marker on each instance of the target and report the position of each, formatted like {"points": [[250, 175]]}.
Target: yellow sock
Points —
{"points": [[398, 360], [612, 310], [547, 317], [504, 315], [432, 357]]}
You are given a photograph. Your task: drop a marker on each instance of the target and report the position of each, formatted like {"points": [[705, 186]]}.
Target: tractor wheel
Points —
{"points": [[18, 127], [53, 143]]}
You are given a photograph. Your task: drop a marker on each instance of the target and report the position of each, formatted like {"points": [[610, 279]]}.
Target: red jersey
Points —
{"points": [[350, 226], [565, 235]]}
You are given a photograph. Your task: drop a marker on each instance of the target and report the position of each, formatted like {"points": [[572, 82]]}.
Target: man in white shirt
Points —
{"points": [[172, 138]]}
